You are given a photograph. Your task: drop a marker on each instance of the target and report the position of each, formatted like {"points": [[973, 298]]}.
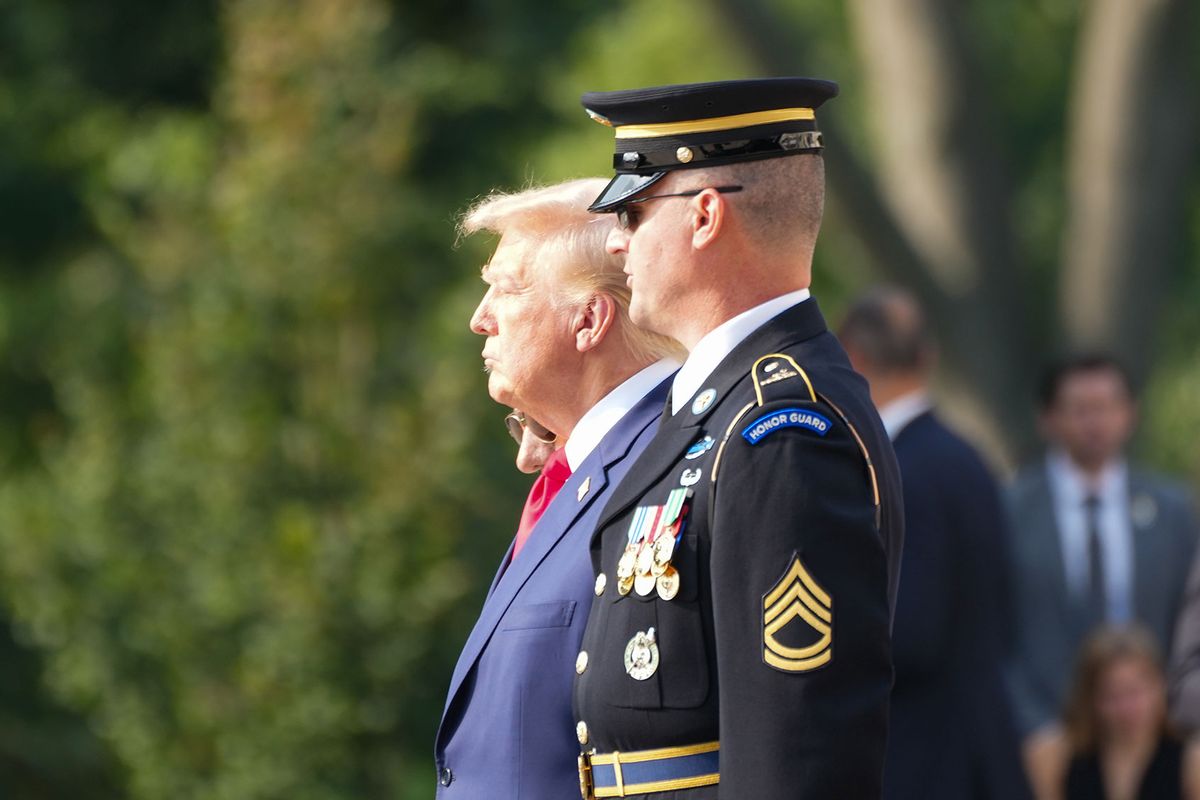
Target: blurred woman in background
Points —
{"points": [[1116, 742]]}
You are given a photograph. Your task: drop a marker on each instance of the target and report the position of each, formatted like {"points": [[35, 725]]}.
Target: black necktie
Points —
{"points": [[1097, 591]]}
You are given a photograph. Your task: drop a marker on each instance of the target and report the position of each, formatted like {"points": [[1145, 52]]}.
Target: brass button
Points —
{"points": [[601, 582], [581, 732], [581, 662]]}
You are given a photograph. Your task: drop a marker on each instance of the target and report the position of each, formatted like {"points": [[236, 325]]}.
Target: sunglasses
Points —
{"points": [[517, 423], [627, 212]]}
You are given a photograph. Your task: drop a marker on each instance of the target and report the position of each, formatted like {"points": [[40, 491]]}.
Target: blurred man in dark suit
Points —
{"points": [[952, 734], [1095, 541]]}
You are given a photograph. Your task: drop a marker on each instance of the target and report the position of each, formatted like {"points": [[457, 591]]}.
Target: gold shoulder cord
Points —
{"points": [[758, 396], [866, 457], [815, 397]]}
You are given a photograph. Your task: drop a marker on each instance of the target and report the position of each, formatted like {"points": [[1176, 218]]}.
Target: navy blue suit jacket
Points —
{"points": [[507, 730], [952, 732]]}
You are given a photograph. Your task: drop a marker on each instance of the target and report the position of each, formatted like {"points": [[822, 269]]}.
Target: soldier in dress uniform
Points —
{"points": [[738, 646]]}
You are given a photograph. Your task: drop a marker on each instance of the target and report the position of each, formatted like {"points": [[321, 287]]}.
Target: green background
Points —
{"points": [[252, 488]]}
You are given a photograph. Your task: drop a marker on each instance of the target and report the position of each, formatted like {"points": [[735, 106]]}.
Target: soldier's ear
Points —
{"points": [[709, 211], [593, 321]]}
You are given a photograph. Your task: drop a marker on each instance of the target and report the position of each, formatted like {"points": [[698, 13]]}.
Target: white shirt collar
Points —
{"points": [[600, 418], [904, 409], [710, 351], [1074, 485]]}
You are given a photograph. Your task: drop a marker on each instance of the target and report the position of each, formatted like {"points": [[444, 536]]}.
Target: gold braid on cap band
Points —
{"points": [[654, 130]]}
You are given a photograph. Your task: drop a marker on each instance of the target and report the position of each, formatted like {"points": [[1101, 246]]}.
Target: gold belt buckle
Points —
{"points": [[587, 787]]}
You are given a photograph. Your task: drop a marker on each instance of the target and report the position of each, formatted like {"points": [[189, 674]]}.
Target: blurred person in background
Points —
{"points": [[1095, 540], [952, 733], [1116, 742], [560, 347], [1185, 657]]}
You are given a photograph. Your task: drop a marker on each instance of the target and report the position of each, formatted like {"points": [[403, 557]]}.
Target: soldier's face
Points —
{"points": [[1092, 418], [530, 347], [651, 242]]}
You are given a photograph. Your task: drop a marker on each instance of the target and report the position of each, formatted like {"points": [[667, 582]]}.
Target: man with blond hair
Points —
{"points": [[561, 348]]}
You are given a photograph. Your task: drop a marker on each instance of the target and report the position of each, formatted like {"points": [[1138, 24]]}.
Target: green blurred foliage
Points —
{"points": [[253, 488]]}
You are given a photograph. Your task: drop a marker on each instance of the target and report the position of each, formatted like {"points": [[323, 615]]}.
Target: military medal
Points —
{"points": [[645, 560], [644, 584], [641, 655], [667, 584], [664, 548], [628, 559]]}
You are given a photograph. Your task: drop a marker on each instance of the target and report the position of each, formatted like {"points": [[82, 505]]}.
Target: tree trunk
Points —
{"points": [[938, 221], [1131, 147]]}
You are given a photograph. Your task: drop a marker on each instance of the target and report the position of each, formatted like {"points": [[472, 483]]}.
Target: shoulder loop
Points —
{"points": [[774, 368], [866, 455]]}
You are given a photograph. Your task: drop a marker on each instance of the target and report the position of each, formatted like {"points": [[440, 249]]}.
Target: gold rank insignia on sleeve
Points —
{"points": [[797, 600]]}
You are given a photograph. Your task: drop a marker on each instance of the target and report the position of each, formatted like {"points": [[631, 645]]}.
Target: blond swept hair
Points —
{"points": [[567, 243]]}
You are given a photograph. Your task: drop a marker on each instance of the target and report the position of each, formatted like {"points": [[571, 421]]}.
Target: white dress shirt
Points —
{"points": [[904, 409], [1070, 488], [710, 351], [600, 418]]}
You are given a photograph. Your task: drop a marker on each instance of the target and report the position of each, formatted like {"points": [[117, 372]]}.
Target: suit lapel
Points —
{"points": [[1050, 545], [550, 529], [1149, 549], [576, 496]]}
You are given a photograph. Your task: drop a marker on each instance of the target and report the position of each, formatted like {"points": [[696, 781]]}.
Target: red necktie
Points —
{"points": [[555, 472]]}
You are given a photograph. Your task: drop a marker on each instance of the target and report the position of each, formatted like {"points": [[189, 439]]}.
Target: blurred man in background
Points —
{"points": [[1185, 655], [1095, 541], [560, 347], [952, 733]]}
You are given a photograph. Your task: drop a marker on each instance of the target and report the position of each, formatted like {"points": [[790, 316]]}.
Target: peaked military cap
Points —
{"points": [[665, 128]]}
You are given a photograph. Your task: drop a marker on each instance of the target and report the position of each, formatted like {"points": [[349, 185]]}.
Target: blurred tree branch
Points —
{"points": [[937, 222], [940, 218]]}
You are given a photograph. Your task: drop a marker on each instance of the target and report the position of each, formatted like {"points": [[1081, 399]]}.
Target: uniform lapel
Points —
{"points": [[679, 431]]}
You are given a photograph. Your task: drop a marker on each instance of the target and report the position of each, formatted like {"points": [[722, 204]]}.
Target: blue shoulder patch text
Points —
{"points": [[767, 424]]}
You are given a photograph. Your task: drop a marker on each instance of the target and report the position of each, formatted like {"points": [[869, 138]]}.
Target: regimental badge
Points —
{"points": [[690, 477], [700, 447], [797, 600], [641, 655], [703, 401]]}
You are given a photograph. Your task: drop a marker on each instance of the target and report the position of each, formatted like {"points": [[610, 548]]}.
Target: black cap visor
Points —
{"points": [[622, 188]]}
